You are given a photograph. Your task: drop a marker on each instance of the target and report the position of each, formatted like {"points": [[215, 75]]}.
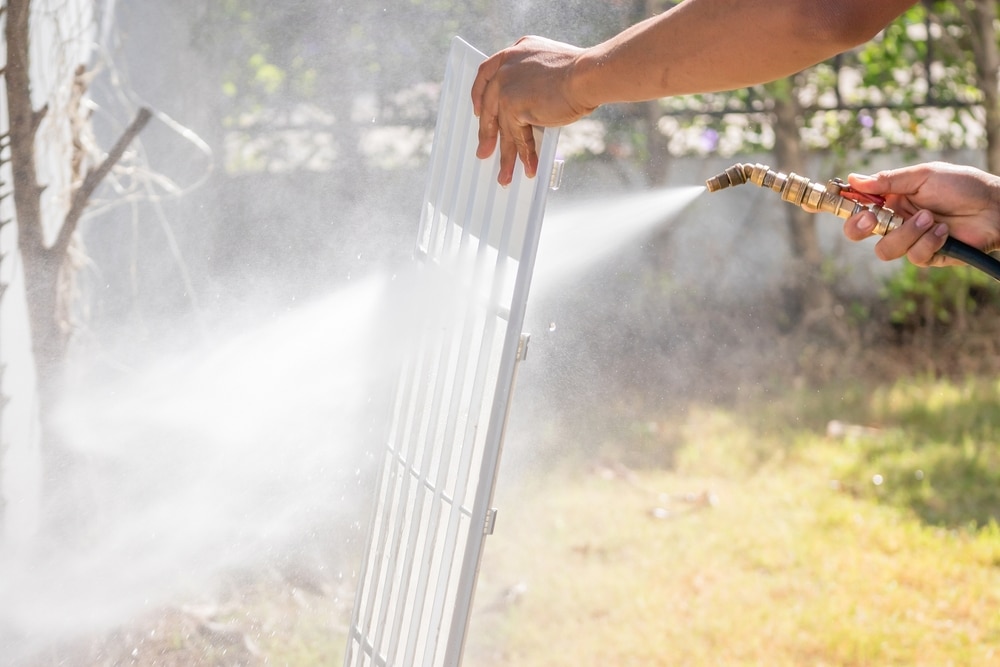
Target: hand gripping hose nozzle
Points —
{"points": [[839, 198]]}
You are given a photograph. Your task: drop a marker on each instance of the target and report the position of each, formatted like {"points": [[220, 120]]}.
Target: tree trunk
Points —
{"points": [[46, 270], [804, 290], [41, 264], [982, 19]]}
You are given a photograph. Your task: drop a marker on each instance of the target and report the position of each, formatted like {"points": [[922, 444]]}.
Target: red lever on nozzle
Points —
{"points": [[861, 197]]}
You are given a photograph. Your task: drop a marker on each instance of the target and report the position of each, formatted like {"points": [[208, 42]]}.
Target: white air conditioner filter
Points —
{"points": [[432, 509]]}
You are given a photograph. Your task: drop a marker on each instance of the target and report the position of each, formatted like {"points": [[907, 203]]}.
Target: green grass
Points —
{"points": [[875, 549]]}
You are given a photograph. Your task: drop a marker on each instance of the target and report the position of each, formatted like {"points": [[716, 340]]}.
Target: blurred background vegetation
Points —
{"points": [[340, 102], [801, 474]]}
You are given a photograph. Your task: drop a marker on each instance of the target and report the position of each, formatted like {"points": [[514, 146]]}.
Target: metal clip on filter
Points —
{"points": [[836, 197]]}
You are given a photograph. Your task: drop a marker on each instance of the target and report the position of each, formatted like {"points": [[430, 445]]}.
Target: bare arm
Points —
{"points": [[711, 45], [697, 46]]}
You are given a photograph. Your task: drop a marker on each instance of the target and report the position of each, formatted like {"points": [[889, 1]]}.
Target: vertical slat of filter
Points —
{"points": [[435, 486], [467, 207], [510, 302]]}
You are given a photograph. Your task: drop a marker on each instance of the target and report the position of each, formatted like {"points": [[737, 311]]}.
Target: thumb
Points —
{"points": [[891, 181]]}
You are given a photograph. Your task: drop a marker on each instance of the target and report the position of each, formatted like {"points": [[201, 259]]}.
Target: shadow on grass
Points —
{"points": [[939, 456]]}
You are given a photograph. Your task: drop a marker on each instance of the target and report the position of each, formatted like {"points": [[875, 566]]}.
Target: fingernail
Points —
{"points": [[941, 230], [923, 219], [866, 223], [861, 178]]}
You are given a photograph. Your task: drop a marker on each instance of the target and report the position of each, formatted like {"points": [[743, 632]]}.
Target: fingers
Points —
{"points": [[518, 142], [515, 142], [859, 226], [873, 185], [487, 72], [918, 238], [924, 250], [485, 105], [526, 150], [516, 139], [508, 156], [488, 130]]}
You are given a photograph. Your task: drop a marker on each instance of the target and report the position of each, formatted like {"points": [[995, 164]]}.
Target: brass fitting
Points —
{"points": [[810, 196]]}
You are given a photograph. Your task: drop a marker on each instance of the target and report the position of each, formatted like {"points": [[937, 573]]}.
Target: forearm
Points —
{"points": [[712, 45]]}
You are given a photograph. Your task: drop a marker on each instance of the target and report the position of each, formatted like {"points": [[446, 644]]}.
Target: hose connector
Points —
{"points": [[835, 197]]}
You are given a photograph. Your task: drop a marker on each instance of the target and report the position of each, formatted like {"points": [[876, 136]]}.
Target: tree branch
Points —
{"points": [[94, 177], [36, 119]]}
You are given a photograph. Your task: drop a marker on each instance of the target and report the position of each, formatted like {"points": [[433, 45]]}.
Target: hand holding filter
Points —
{"points": [[838, 198]]}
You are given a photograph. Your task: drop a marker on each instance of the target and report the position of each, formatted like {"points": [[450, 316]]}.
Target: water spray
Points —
{"points": [[842, 200]]}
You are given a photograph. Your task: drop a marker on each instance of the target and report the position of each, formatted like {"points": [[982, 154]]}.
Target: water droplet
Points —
{"points": [[552, 326], [877, 480], [919, 475]]}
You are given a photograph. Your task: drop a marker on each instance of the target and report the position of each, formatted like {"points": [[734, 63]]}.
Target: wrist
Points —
{"points": [[993, 187], [583, 82]]}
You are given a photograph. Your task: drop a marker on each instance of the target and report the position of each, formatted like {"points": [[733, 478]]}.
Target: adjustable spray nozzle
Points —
{"points": [[839, 198], [835, 197]]}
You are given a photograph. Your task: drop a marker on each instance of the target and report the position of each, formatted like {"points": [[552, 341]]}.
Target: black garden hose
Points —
{"points": [[976, 258]]}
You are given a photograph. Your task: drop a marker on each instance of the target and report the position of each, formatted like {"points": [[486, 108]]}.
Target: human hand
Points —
{"points": [[524, 85], [935, 200]]}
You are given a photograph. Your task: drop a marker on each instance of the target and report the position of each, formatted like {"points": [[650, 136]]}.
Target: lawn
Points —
{"points": [[765, 541]]}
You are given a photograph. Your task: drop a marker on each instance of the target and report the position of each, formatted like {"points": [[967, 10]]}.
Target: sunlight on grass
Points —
{"points": [[938, 454], [939, 408], [766, 543]]}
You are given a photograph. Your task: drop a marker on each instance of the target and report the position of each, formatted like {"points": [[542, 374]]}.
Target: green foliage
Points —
{"points": [[913, 87], [889, 63], [917, 296], [275, 55]]}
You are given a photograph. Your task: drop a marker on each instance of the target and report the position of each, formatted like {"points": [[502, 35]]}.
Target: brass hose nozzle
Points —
{"points": [[834, 197]]}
